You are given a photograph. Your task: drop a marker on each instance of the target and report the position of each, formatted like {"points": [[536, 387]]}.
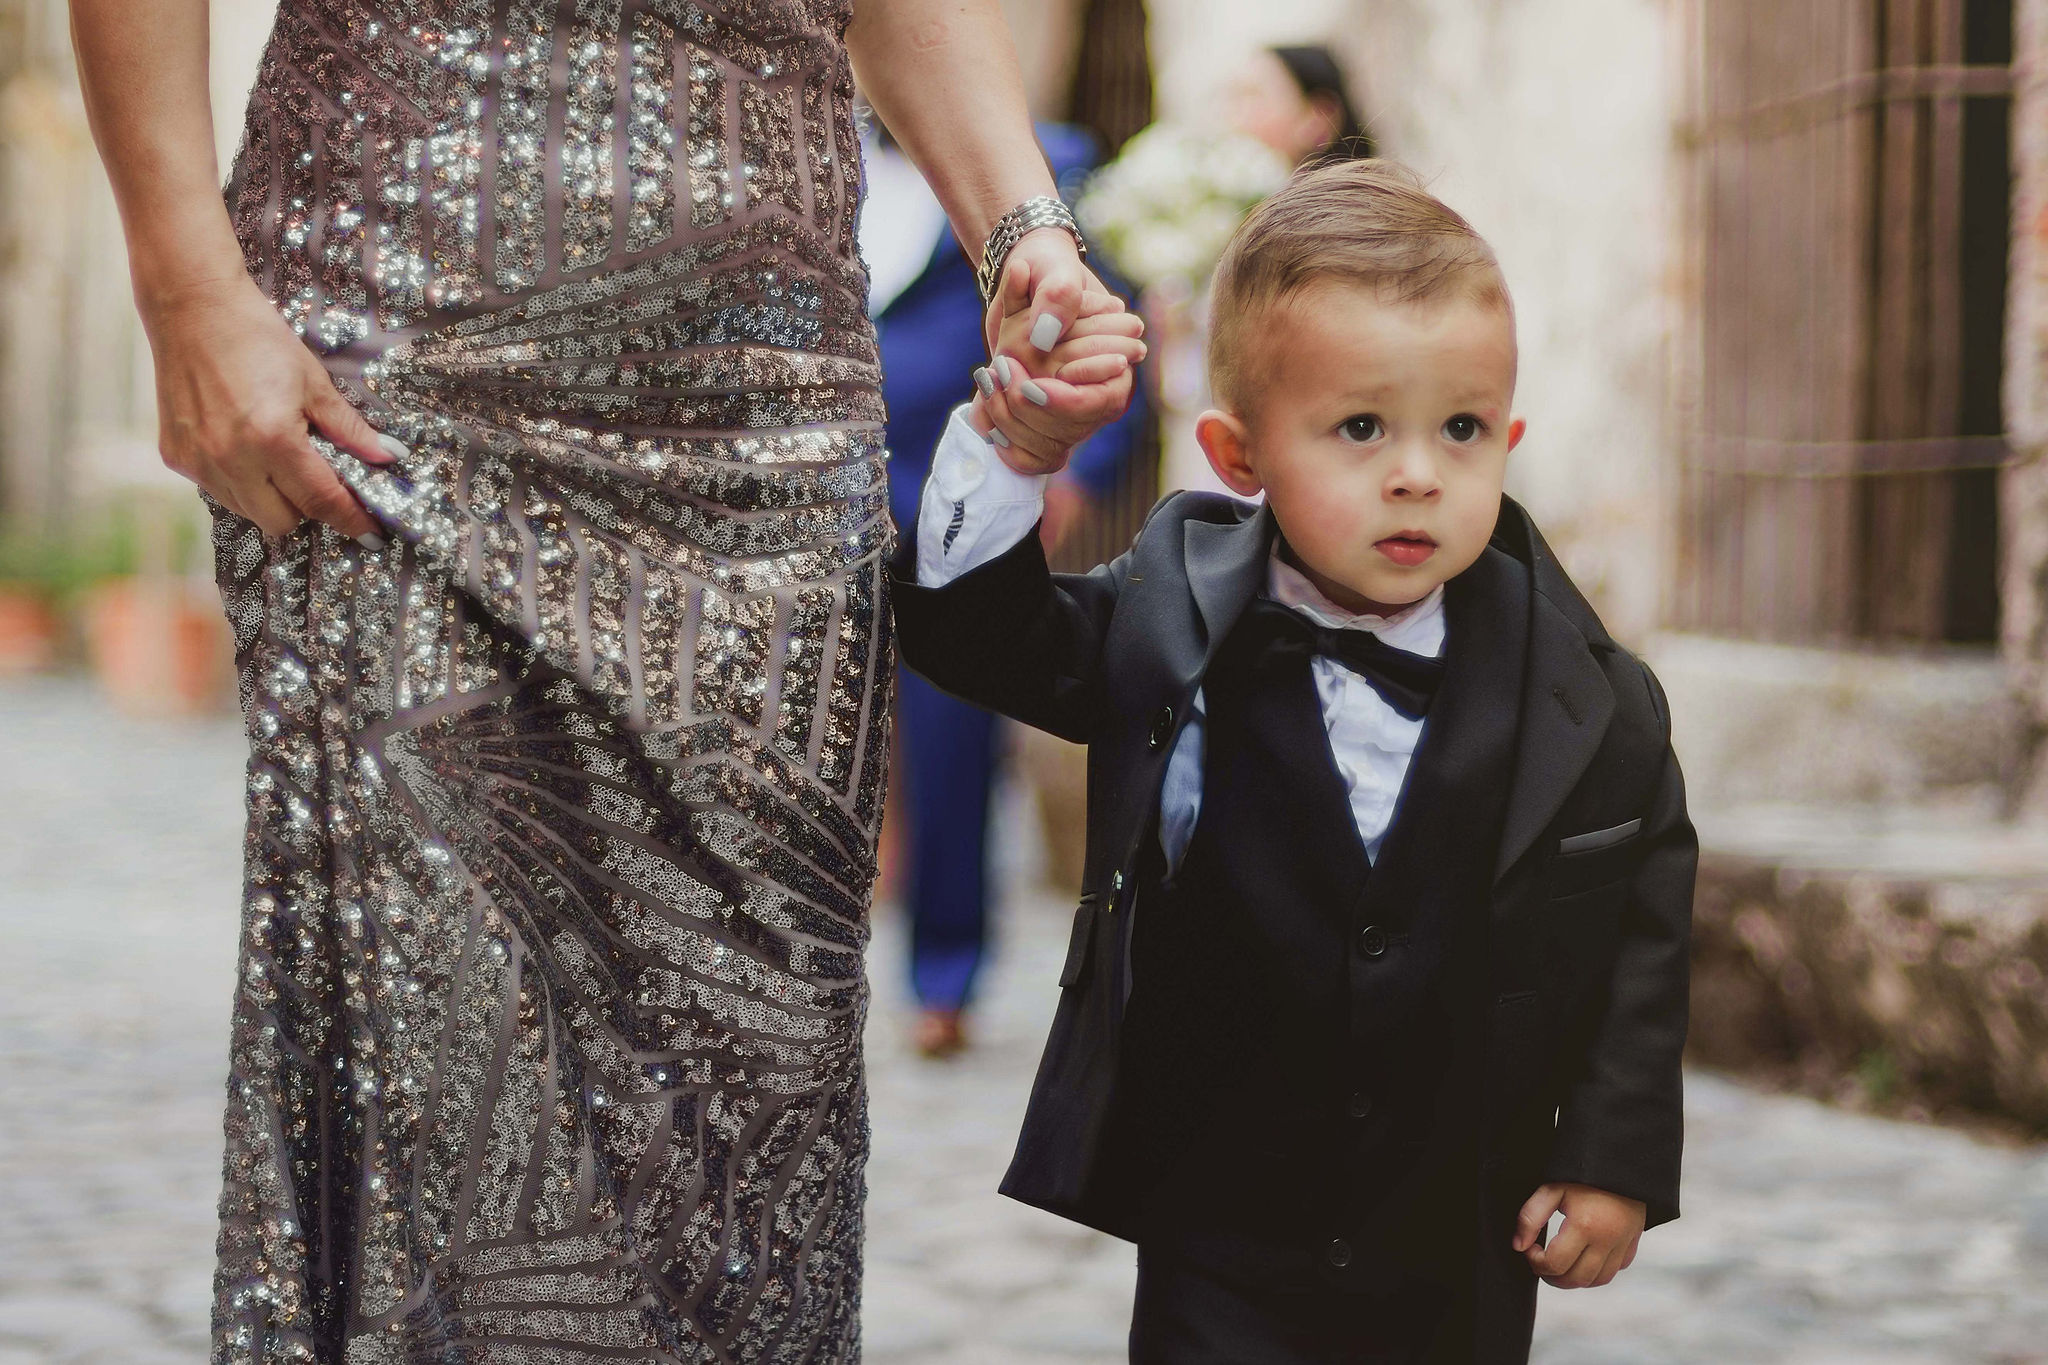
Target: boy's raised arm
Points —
{"points": [[977, 609]]}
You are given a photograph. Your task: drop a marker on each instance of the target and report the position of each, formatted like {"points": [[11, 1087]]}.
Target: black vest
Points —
{"points": [[1297, 1016]]}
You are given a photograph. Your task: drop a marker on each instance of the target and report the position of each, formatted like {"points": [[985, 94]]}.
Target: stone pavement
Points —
{"points": [[1813, 1237]]}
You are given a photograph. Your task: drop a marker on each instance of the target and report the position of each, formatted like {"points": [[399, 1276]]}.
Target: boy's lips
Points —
{"points": [[1407, 548]]}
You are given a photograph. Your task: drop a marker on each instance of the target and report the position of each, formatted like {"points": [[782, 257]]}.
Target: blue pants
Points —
{"points": [[948, 767]]}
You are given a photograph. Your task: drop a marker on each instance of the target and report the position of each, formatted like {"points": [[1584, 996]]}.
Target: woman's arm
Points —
{"points": [[236, 390], [943, 76]]}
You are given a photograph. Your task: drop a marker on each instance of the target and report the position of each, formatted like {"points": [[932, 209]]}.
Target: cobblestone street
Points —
{"points": [[1812, 1237]]}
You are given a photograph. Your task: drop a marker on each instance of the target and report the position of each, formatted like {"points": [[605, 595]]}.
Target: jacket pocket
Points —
{"points": [[1599, 838], [1080, 945], [1612, 855]]}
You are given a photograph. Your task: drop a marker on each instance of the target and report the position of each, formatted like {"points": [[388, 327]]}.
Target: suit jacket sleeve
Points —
{"points": [[1011, 636], [1621, 1124]]}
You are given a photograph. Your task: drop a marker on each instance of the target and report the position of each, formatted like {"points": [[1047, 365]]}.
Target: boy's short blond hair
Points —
{"points": [[1367, 223]]}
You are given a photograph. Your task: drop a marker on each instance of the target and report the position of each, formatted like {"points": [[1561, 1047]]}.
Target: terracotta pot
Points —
{"points": [[160, 646], [28, 632]]}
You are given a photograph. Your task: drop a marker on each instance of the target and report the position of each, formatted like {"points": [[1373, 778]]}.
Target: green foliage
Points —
{"points": [[114, 541], [1877, 1071]]}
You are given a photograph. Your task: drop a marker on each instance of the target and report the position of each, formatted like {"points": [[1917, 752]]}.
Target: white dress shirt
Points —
{"points": [[976, 508]]}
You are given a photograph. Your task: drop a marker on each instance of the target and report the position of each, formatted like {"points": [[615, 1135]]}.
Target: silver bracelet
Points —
{"points": [[1043, 211]]}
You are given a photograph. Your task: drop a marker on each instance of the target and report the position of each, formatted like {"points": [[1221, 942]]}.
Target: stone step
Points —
{"points": [[1895, 957]]}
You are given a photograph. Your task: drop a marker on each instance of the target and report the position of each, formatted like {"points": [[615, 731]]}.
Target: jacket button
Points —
{"points": [[1372, 941], [1361, 1104], [1338, 1253], [1162, 729]]}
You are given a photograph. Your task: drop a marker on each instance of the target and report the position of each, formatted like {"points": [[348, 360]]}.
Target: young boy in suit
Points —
{"points": [[1381, 961]]}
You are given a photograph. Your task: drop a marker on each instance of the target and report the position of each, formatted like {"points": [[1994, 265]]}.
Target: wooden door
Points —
{"points": [[1848, 185]]}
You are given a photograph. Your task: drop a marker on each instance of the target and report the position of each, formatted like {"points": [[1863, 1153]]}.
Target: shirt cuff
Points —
{"points": [[975, 508]]}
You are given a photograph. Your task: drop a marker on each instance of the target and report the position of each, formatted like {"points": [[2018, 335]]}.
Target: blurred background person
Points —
{"points": [[1294, 98], [928, 315], [1167, 204]]}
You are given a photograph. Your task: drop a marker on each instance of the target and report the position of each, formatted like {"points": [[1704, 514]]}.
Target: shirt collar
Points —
{"points": [[1417, 628]]}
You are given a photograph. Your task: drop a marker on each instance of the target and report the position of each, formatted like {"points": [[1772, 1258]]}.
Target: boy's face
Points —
{"points": [[1379, 433]]}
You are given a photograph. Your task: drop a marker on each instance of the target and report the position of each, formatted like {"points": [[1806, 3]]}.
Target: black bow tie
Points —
{"points": [[1407, 681]]}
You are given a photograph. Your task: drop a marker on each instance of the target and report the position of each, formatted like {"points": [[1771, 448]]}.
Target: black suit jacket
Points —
{"points": [[1576, 1071]]}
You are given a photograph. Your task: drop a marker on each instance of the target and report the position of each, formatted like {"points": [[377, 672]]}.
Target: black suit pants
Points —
{"points": [[1185, 1315]]}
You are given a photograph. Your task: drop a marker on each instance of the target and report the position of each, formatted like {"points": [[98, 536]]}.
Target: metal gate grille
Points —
{"points": [[1847, 204]]}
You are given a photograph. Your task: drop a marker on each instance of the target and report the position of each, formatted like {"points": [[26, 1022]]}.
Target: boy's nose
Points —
{"points": [[1414, 476]]}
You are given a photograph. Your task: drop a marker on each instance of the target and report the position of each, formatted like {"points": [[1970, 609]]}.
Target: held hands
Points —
{"points": [[238, 395], [1597, 1241], [1064, 351]]}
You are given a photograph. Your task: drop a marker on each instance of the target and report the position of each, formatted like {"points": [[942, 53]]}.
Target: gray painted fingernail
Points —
{"points": [[371, 541], [1003, 368], [995, 434], [1046, 331], [393, 447], [1032, 393], [985, 381]]}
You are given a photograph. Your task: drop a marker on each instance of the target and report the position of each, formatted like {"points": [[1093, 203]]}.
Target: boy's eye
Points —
{"points": [[1361, 429], [1464, 428]]}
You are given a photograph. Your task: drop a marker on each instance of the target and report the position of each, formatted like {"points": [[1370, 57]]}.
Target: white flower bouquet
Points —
{"points": [[1164, 208]]}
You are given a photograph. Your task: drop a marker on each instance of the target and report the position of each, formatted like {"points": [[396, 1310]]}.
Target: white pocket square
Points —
{"points": [[1599, 838]]}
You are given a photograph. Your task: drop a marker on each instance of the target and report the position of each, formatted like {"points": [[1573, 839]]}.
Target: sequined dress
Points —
{"points": [[563, 807]]}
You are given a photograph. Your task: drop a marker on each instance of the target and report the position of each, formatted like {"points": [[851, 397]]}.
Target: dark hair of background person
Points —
{"points": [[1319, 74]]}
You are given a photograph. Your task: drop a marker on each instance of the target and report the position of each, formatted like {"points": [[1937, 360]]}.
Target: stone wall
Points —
{"points": [[1549, 124], [1755, 722], [1907, 994]]}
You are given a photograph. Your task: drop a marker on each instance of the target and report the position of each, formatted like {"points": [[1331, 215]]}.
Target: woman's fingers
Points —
{"points": [[1062, 404], [333, 417], [1058, 280], [1023, 446], [1102, 314], [257, 499], [1045, 287], [1100, 303], [316, 490]]}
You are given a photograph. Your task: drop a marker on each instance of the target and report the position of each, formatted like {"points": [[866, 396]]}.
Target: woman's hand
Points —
{"points": [[237, 395], [1045, 280], [237, 391], [1036, 423]]}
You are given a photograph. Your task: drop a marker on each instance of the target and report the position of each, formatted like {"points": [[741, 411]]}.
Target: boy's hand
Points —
{"points": [[1041, 412], [1597, 1241]]}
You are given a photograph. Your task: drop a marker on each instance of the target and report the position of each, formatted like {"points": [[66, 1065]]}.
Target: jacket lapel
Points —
{"points": [[1226, 567], [1567, 704]]}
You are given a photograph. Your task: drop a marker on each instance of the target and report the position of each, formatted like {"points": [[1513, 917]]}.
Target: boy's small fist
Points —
{"points": [[1597, 1241]]}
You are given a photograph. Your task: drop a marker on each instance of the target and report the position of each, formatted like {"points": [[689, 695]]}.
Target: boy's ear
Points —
{"points": [[1517, 429], [1222, 436]]}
